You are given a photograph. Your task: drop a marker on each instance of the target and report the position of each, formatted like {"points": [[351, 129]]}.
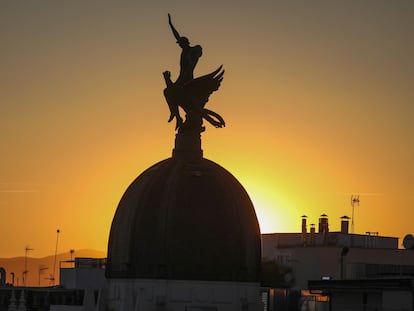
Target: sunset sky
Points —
{"points": [[318, 99]]}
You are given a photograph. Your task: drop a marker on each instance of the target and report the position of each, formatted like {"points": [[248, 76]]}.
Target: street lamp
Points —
{"points": [[54, 264]]}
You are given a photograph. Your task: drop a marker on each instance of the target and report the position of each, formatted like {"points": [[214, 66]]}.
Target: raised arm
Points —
{"points": [[174, 31]]}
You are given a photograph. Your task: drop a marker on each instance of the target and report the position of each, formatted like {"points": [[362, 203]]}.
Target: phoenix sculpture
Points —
{"points": [[189, 93]]}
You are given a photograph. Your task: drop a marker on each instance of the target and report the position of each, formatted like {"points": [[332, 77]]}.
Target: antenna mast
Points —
{"points": [[354, 201]]}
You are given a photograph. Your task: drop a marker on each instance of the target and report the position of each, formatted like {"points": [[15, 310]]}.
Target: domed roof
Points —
{"points": [[185, 220]]}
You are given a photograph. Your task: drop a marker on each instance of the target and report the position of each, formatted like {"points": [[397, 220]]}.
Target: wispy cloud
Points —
{"points": [[17, 191], [18, 187], [361, 193]]}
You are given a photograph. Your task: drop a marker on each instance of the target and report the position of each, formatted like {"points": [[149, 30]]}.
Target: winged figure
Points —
{"points": [[192, 97], [188, 93]]}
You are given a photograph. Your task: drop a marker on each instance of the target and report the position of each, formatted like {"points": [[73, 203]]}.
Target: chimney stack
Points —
{"points": [[304, 229], [323, 224], [345, 224], [312, 234]]}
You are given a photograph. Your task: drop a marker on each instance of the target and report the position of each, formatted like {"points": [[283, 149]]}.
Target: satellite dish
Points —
{"points": [[408, 241]]}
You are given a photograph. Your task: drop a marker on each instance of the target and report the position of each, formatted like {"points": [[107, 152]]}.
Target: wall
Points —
{"points": [[311, 263], [172, 295], [82, 278]]}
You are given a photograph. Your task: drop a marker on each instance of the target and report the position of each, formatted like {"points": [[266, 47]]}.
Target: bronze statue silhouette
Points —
{"points": [[188, 93]]}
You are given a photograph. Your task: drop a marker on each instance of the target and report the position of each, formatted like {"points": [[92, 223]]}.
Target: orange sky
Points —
{"points": [[317, 97]]}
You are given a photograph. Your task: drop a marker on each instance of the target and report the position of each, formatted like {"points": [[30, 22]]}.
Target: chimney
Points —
{"points": [[345, 224], [323, 224], [304, 229], [312, 232]]}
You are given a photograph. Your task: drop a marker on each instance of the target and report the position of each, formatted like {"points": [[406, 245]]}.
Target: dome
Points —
{"points": [[185, 219]]}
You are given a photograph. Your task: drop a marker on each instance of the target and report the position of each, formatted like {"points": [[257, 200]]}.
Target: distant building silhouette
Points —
{"points": [[340, 268]]}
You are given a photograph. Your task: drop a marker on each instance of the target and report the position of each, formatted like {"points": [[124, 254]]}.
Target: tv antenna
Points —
{"points": [[41, 269], [26, 250], [354, 201]]}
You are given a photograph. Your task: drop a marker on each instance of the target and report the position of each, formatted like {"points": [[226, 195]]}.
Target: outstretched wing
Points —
{"points": [[202, 87]]}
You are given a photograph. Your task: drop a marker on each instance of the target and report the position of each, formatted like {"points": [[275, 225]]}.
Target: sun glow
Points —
{"points": [[272, 213]]}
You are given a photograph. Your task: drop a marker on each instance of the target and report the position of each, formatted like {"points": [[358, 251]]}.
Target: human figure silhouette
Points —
{"points": [[189, 56]]}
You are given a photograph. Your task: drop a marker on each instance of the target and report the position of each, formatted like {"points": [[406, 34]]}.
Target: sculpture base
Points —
{"points": [[187, 146]]}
